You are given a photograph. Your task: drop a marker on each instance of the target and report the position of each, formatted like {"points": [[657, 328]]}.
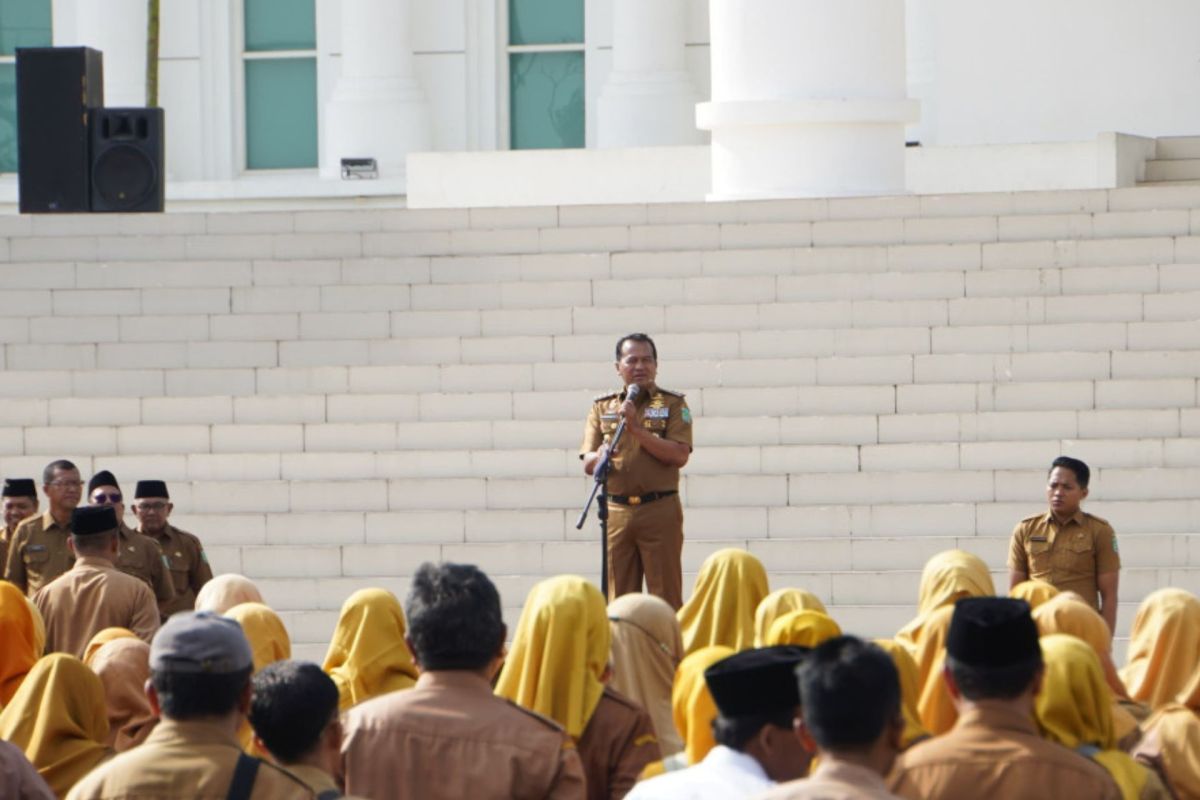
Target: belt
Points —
{"points": [[637, 500]]}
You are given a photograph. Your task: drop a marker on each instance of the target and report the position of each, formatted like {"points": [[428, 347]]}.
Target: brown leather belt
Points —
{"points": [[639, 499]]}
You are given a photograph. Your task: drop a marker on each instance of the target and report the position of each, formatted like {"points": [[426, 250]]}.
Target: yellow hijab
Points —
{"points": [[368, 656], [226, 591], [692, 704], [728, 589], [102, 638], [18, 640], [778, 603], [803, 628], [559, 653], [646, 649], [934, 704], [948, 577], [1163, 667], [264, 630], [1074, 708], [1033, 592], [39, 628], [914, 731], [58, 718], [1173, 735], [123, 666]]}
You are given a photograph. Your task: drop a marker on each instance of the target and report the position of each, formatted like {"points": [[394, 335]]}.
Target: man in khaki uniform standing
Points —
{"points": [[139, 555], [20, 503], [1066, 547], [450, 736], [93, 595], [38, 552], [645, 517], [185, 556], [200, 667]]}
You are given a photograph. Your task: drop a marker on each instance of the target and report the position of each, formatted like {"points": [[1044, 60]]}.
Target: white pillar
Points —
{"points": [[808, 98], [649, 98], [117, 28], [378, 109]]}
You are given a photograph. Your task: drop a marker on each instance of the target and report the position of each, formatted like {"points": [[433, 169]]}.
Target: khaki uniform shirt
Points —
{"points": [[833, 780], [188, 567], [90, 597], [617, 744], [636, 472], [1069, 557], [141, 557], [451, 737], [38, 553], [183, 761], [994, 751]]}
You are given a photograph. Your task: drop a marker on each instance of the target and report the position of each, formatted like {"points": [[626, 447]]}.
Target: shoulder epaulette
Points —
{"points": [[608, 396], [670, 392], [613, 694], [1101, 520], [535, 715], [1034, 517]]}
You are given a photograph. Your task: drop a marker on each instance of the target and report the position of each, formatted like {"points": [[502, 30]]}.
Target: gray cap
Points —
{"points": [[200, 641]]}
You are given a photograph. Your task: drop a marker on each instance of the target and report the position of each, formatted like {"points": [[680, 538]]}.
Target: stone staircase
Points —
{"points": [[336, 396], [1177, 160]]}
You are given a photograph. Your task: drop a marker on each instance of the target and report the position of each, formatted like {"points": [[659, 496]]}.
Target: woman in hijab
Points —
{"points": [[1163, 667], [913, 730], [948, 577], [803, 628], [1173, 740], [368, 656], [123, 666], [102, 638], [693, 710], [934, 704], [728, 589], [1033, 592], [778, 603], [558, 666], [269, 643], [1074, 708], [646, 649], [19, 646], [226, 591], [58, 718]]}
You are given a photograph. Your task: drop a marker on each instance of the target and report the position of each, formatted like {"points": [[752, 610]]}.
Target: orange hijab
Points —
{"points": [[1164, 651], [730, 585], [18, 641], [368, 656], [123, 666]]}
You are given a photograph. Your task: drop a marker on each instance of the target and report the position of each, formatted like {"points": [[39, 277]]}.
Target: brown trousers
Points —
{"points": [[646, 540]]}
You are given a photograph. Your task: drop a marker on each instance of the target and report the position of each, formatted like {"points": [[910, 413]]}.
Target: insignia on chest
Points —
{"points": [[657, 413], [610, 417]]}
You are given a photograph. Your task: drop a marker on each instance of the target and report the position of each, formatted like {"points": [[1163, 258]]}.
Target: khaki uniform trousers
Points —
{"points": [[646, 540]]}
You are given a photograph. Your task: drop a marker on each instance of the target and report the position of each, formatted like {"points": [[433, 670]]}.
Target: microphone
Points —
{"points": [[632, 392]]}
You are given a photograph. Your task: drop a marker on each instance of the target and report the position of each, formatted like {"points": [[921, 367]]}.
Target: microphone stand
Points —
{"points": [[600, 496]]}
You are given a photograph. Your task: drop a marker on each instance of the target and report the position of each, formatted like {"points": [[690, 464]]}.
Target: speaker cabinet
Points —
{"points": [[57, 90], [127, 159]]}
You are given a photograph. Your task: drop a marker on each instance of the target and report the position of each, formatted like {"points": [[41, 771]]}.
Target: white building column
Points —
{"points": [[378, 109], [117, 28], [649, 98], [808, 98]]}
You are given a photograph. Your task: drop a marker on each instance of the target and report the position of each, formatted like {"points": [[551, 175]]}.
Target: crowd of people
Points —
{"points": [[128, 671]]}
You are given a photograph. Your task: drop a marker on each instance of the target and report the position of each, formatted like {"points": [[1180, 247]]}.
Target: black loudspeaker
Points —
{"points": [[57, 90], [127, 159]]}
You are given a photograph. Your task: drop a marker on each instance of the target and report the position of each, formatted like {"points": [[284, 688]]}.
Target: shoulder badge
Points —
{"points": [[668, 391], [598, 398], [1034, 518]]}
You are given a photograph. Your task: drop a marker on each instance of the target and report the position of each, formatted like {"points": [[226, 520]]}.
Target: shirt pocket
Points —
{"points": [[35, 557], [179, 574], [1040, 557]]}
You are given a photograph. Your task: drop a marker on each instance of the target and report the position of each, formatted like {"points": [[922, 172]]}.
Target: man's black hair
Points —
{"points": [[736, 732], [292, 705], [1080, 469], [977, 682], [190, 695], [636, 337], [93, 543], [454, 618], [850, 690], [55, 466]]}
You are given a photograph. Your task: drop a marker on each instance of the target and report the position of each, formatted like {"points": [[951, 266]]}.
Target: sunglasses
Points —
{"points": [[114, 497]]}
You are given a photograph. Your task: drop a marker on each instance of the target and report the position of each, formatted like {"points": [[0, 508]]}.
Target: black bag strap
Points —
{"points": [[329, 794], [243, 778]]}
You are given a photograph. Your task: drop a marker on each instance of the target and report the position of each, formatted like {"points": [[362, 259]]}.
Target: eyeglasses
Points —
{"points": [[67, 484], [152, 505], [112, 497]]}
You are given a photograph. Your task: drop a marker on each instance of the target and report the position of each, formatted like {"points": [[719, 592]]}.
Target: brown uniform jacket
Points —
{"points": [[183, 761], [90, 597], [833, 780], [994, 751], [1069, 557], [18, 778], [636, 472], [189, 569], [451, 737], [616, 745], [38, 553], [141, 557]]}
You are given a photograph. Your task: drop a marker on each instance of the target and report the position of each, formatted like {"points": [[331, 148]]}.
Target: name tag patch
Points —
{"points": [[658, 413]]}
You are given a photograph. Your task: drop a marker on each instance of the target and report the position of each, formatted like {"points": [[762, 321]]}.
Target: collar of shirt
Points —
{"points": [[191, 732], [93, 562], [50, 523], [314, 778], [726, 759], [831, 768], [1078, 518], [460, 681], [997, 716]]}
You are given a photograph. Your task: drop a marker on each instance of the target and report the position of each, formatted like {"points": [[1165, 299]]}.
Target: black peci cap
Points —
{"points": [[757, 681], [89, 520], [150, 489], [20, 487], [102, 478], [992, 632]]}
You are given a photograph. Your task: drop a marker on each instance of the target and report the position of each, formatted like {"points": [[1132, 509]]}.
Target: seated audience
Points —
{"points": [[450, 736], [226, 591], [1162, 666], [947, 577], [936, 708], [906, 667], [123, 666], [730, 585], [367, 656], [778, 603], [692, 710], [1173, 740], [646, 649], [558, 666], [1034, 592]]}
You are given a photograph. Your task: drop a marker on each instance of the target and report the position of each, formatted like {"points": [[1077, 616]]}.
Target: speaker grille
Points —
{"points": [[124, 176]]}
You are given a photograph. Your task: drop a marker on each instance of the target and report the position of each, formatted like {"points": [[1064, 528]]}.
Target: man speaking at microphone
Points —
{"points": [[645, 519]]}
